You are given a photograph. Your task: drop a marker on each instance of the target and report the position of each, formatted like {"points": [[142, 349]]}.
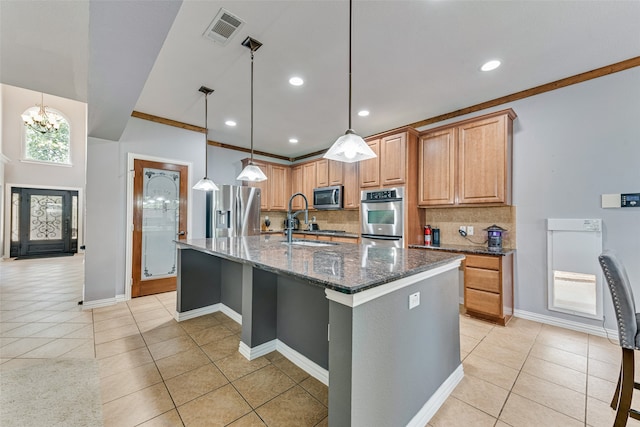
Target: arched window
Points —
{"points": [[53, 145]]}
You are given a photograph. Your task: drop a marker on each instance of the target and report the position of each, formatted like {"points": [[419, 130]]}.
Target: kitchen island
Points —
{"points": [[342, 313]]}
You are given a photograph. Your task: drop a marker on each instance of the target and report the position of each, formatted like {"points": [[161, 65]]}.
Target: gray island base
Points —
{"points": [[340, 312]]}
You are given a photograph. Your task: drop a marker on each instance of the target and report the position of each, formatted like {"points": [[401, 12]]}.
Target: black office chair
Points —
{"points": [[628, 332]]}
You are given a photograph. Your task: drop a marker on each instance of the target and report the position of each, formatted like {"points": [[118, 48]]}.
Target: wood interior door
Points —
{"points": [[159, 217]]}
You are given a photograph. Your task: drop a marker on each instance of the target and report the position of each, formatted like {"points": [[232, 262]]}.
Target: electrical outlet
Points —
{"points": [[469, 230], [414, 300], [462, 229]]}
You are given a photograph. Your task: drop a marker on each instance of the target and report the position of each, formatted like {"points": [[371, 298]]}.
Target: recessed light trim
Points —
{"points": [[296, 81], [293, 140], [230, 123], [363, 113], [490, 65]]}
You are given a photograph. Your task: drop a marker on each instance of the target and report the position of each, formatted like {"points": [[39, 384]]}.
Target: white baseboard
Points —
{"points": [[121, 297], [567, 324], [237, 317], [304, 363], [197, 312], [254, 352], [88, 305], [437, 399]]}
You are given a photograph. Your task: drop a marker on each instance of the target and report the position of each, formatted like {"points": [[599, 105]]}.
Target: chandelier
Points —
{"points": [[40, 120]]}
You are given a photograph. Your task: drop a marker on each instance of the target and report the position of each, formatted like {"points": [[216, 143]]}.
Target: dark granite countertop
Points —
{"points": [[344, 267], [478, 250], [328, 232]]}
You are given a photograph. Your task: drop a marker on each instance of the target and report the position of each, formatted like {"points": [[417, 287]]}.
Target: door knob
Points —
{"points": [[181, 233]]}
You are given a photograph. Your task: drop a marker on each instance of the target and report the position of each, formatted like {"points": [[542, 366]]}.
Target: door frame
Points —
{"points": [[7, 212], [131, 157]]}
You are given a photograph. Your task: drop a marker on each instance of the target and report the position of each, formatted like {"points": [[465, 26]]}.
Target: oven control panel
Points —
{"points": [[388, 194]]}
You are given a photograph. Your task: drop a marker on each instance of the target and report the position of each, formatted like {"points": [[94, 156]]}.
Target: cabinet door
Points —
{"points": [[262, 185], [279, 187], [482, 161], [370, 169], [351, 197], [322, 173], [393, 158], [296, 187], [309, 171], [436, 170], [336, 172]]}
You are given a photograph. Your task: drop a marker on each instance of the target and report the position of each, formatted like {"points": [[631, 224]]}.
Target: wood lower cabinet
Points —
{"points": [[488, 287]]}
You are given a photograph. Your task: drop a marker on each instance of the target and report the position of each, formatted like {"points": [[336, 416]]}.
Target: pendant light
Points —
{"points": [[251, 172], [205, 184], [350, 147]]}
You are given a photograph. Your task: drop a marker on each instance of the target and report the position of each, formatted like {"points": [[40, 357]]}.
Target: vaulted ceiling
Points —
{"points": [[411, 59]]}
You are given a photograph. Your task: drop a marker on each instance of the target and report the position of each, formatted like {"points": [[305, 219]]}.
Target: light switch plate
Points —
{"points": [[414, 300]]}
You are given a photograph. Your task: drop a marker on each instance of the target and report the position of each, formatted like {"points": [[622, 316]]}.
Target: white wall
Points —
{"points": [[570, 146]]}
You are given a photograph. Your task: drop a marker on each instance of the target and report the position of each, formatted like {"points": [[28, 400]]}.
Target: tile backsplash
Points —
{"points": [[347, 220], [449, 220]]}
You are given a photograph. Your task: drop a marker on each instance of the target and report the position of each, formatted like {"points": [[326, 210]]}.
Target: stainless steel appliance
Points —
{"points": [[295, 224], [328, 197], [382, 213], [236, 211]]}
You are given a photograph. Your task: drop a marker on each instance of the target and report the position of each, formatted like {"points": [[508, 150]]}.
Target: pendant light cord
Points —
{"points": [[206, 132], [251, 161], [350, 13]]}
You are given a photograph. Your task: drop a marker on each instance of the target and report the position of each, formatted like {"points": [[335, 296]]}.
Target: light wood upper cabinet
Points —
{"points": [[322, 173], [437, 177], [370, 169], [393, 159], [336, 172], [309, 171], [279, 187], [351, 197], [296, 187], [467, 163]]}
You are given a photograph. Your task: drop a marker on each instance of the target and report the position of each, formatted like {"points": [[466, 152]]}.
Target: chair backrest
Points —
{"points": [[622, 295]]}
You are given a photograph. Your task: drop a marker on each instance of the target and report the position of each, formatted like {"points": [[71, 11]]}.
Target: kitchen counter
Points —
{"points": [[478, 250], [343, 267], [327, 233], [355, 308]]}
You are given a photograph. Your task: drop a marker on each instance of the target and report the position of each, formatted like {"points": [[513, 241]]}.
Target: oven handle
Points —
{"points": [[375, 237], [398, 199]]}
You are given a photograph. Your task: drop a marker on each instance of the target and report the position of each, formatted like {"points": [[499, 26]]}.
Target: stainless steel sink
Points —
{"points": [[311, 243]]}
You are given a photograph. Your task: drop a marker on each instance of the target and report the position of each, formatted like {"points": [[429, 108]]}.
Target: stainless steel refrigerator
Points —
{"points": [[236, 211]]}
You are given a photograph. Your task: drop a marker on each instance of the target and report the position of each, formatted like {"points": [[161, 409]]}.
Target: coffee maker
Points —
{"points": [[494, 237]]}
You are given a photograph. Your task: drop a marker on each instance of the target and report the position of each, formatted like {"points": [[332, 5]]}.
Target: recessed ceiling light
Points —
{"points": [[230, 123], [296, 81], [293, 140], [363, 113], [491, 65]]}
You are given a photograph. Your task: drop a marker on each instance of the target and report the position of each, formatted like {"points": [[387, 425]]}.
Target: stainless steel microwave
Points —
{"points": [[328, 197]]}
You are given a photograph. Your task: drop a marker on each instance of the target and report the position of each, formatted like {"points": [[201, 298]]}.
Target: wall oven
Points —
{"points": [[382, 217]]}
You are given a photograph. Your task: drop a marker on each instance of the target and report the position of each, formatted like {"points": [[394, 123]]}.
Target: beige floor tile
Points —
{"points": [[456, 413], [490, 371], [117, 322], [19, 363], [295, 407], [71, 317], [60, 330], [236, 365], [551, 395], [55, 348], [121, 345], [172, 346], [157, 313], [212, 334], [316, 389], [137, 407], [180, 363], [123, 361], [600, 389], [195, 383], [600, 414], [233, 326], [557, 374], [84, 351], [223, 348], [467, 344], [251, 420], [524, 326], [607, 353], [291, 369], [560, 357], [481, 394], [217, 408], [159, 322], [172, 330], [502, 424], [606, 371], [28, 329], [129, 381], [168, 419], [21, 346], [116, 333], [86, 331], [474, 330], [263, 385], [504, 356], [509, 339], [196, 324], [577, 346], [8, 326], [522, 412]]}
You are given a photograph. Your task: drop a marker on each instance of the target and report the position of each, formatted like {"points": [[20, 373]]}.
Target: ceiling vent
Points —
{"points": [[223, 27]]}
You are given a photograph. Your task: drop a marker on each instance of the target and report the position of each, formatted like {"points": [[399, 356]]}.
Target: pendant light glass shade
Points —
{"points": [[251, 172], [350, 147], [205, 184]]}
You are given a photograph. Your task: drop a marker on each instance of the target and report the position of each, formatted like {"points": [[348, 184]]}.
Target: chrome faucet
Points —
{"points": [[290, 216]]}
